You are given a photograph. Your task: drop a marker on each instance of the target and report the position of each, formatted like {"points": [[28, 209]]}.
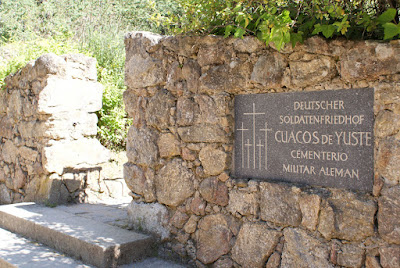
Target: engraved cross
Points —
{"points": [[253, 114], [242, 129], [259, 145], [248, 145], [266, 129]]}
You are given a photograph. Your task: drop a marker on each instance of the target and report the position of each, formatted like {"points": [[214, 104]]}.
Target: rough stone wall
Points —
{"points": [[180, 95], [46, 123]]}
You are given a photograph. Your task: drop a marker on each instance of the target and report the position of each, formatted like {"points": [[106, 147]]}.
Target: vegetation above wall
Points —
{"points": [[289, 21]]}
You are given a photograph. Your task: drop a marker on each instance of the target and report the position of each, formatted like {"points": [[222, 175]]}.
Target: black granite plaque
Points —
{"points": [[320, 138]]}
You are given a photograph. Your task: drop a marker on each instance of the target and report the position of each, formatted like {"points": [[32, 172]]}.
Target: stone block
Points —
{"points": [[279, 204], [274, 260], [47, 188], [174, 183], [213, 238], [203, 133], [3, 102], [5, 197], [347, 216], [247, 44], [213, 55], [389, 214], [197, 206], [2, 176], [225, 78], [302, 250], [141, 146], [9, 152], [254, 244], [390, 256], [134, 106], [152, 218], [307, 69], [243, 202], [309, 206], [14, 105], [183, 77], [185, 108], [144, 71], [191, 225], [50, 64], [141, 42], [77, 154], [6, 128], [188, 154], [269, 69], [191, 72], [158, 109], [179, 219], [80, 66], [19, 179], [176, 83], [213, 160], [388, 160], [387, 123], [168, 145], [372, 262], [140, 182], [65, 95], [118, 189], [348, 255], [223, 262], [366, 60], [214, 191], [71, 125], [186, 46], [316, 45], [31, 129], [207, 110], [28, 153]]}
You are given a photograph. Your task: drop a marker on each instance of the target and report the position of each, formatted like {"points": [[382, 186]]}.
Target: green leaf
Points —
{"points": [[317, 29], [237, 7], [262, 17], [391, 30], [296, 38], [286, 37], [342, 26], [387, 16], [228, 30], [279, 44], [239, 32], [328, 30]]}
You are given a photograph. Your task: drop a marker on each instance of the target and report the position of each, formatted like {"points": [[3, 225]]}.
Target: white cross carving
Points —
{"points": [[266, 129], [254, 131], [248, 145], [242, 129], [259, 145]]}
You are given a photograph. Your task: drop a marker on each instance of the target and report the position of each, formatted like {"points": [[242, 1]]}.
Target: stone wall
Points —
{"points": [[180, 95], [46, 123]]}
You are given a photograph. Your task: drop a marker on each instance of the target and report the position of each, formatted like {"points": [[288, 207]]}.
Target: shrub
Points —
{"points": [[288, 21]]}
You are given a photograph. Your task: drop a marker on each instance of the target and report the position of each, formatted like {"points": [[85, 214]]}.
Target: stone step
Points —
{"points": [[85, 239], [17, 251]]}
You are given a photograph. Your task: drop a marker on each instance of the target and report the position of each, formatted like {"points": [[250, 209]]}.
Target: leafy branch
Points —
{"points": [[286, 21]]}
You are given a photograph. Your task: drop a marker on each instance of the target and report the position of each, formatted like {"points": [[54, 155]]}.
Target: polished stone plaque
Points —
{"points": [[320, 138]]}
